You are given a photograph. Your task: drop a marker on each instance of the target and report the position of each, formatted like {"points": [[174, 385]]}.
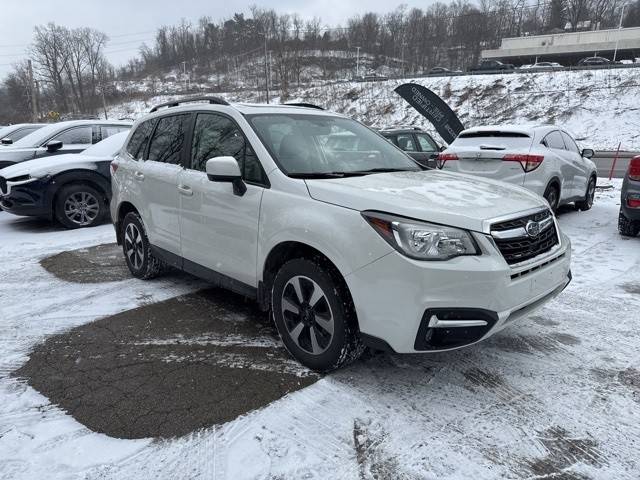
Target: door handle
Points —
{"points": [[138, 176], [184, 190]]}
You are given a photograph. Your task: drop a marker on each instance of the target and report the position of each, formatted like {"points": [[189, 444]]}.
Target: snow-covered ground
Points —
{"points": [[599, 106], [553, 396]]}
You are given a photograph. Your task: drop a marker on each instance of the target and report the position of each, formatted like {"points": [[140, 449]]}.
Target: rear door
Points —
{"points": [[483, 154], [158, 180], [428, 150], [220, 228]]}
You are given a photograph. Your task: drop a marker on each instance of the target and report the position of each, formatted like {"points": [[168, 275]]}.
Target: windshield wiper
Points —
{"points": [[313, 175], [382, 170]]}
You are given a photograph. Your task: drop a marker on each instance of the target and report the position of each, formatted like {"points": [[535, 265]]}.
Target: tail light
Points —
{"points": [[634, 168], [527, 162], [114, 167], [633, 201], [444, 158]]}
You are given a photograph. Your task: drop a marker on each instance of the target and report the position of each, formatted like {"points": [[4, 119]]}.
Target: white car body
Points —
{"points": [[205, 225], [494, 152]]}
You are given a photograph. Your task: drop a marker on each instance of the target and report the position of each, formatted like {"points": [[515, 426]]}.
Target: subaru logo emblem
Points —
{"points": [[532, 228]]}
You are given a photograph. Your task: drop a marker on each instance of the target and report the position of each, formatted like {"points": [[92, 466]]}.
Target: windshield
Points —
{"points": [[108, 147], [313, 145]]}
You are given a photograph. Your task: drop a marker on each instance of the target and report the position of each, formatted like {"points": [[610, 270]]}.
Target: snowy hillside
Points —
{"points": [[598, 106]]}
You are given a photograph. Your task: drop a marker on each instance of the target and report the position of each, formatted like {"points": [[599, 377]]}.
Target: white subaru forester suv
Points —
{"points": [[346, 247]]}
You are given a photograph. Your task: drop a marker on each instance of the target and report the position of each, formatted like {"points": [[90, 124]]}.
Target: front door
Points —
{"points": [[581, 175], [219, 228]]}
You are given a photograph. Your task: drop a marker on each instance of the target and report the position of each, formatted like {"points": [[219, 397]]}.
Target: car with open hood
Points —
{"points": [[346, 247]]}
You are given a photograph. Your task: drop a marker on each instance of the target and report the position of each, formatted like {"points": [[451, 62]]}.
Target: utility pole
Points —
{"points": [[184, 73], [404, 44], [104, 102], [32, 86], [266, 69], [615, 52], [357, 62]]}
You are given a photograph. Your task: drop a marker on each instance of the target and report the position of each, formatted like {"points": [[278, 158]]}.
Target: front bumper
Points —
{"points": [[394, 296], [29, 199]]}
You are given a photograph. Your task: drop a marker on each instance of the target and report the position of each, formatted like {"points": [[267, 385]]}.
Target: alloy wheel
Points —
{"points": [[307, 315], [133, 246], [81, 208]]}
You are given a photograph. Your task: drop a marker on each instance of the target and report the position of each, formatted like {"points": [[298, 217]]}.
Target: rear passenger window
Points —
{"points": [[168, 139], [218, 136], [406, 143], [75, 136], [108, 130], [554, 140], [426, 143], [138, 143]]}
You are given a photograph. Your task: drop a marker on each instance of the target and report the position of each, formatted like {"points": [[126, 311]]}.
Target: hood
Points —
{"points": [[435, 196], [13, 154], [51, 165]]}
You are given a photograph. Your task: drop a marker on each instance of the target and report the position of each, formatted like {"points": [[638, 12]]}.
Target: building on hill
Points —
{"points": [[568, 48]]}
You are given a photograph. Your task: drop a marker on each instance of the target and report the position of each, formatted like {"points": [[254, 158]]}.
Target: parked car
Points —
{"points": [[13, 133], [346, 249], [73, 189], [594, 61], [418, 144], [59, 138], [546, 66], [443, 71], [492, 65], [545, 159], [629, 218]]}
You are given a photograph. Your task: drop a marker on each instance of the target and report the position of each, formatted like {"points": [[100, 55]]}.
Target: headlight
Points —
{"points": [[21, 178], [420, 240]]}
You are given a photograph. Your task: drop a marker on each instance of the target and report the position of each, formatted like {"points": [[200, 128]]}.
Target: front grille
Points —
{"points": [[3, 186], [524, 247]]}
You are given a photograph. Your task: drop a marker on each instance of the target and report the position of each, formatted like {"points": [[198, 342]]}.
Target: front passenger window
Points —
{"points": [[217, 136], [75, 136]]}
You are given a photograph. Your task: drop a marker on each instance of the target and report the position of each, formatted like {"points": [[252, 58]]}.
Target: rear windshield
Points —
{"points": [[493, 138]]}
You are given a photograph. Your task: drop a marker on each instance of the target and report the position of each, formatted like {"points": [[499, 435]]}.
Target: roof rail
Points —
{"points": [[175, 103], [305, 105]]}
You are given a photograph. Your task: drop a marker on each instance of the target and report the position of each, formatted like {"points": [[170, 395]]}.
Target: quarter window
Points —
{"points": [[426, 143], [108, 130], [554, 140], [138, 143], [167, 141], [75, 136], [218, 136]]}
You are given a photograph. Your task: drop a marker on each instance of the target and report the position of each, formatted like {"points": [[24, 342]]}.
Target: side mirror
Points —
{"points": [[54, 146], [443, 148], [6, 141], [588, 153], [226, 169]]}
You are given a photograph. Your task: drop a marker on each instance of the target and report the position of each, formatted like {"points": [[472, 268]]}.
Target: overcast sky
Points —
{"points": [[130, 22]]}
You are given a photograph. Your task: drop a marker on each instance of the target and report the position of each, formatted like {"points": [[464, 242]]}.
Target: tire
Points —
{"points": [[587, 203], [320, 329], [552, 195], [80, 205], [627, 227], [137, 249]]}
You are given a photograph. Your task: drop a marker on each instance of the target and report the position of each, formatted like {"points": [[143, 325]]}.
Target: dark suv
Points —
{"points": [[492, 65], [418, 144], [58, 138], [629, 219]]}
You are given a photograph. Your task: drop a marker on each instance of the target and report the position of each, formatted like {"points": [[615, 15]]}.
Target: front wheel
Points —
{"points": [[587, 203], [137, 249], [315, 316], [80, 206]]}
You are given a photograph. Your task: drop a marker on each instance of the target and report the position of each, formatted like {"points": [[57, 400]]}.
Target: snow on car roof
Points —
{"points": [[524, 129]]}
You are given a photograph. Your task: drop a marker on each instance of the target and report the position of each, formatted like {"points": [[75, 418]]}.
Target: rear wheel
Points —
{"points": [[627, 227], [587, 203], [137, 249], [314, 316], [552, 195], [79, 206]]}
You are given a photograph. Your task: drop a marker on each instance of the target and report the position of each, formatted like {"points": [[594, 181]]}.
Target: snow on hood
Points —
{"points": [[48, 165], [441, 197]]}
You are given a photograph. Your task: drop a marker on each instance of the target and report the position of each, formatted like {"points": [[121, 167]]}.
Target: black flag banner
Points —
{"points": [[433, 108]]}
